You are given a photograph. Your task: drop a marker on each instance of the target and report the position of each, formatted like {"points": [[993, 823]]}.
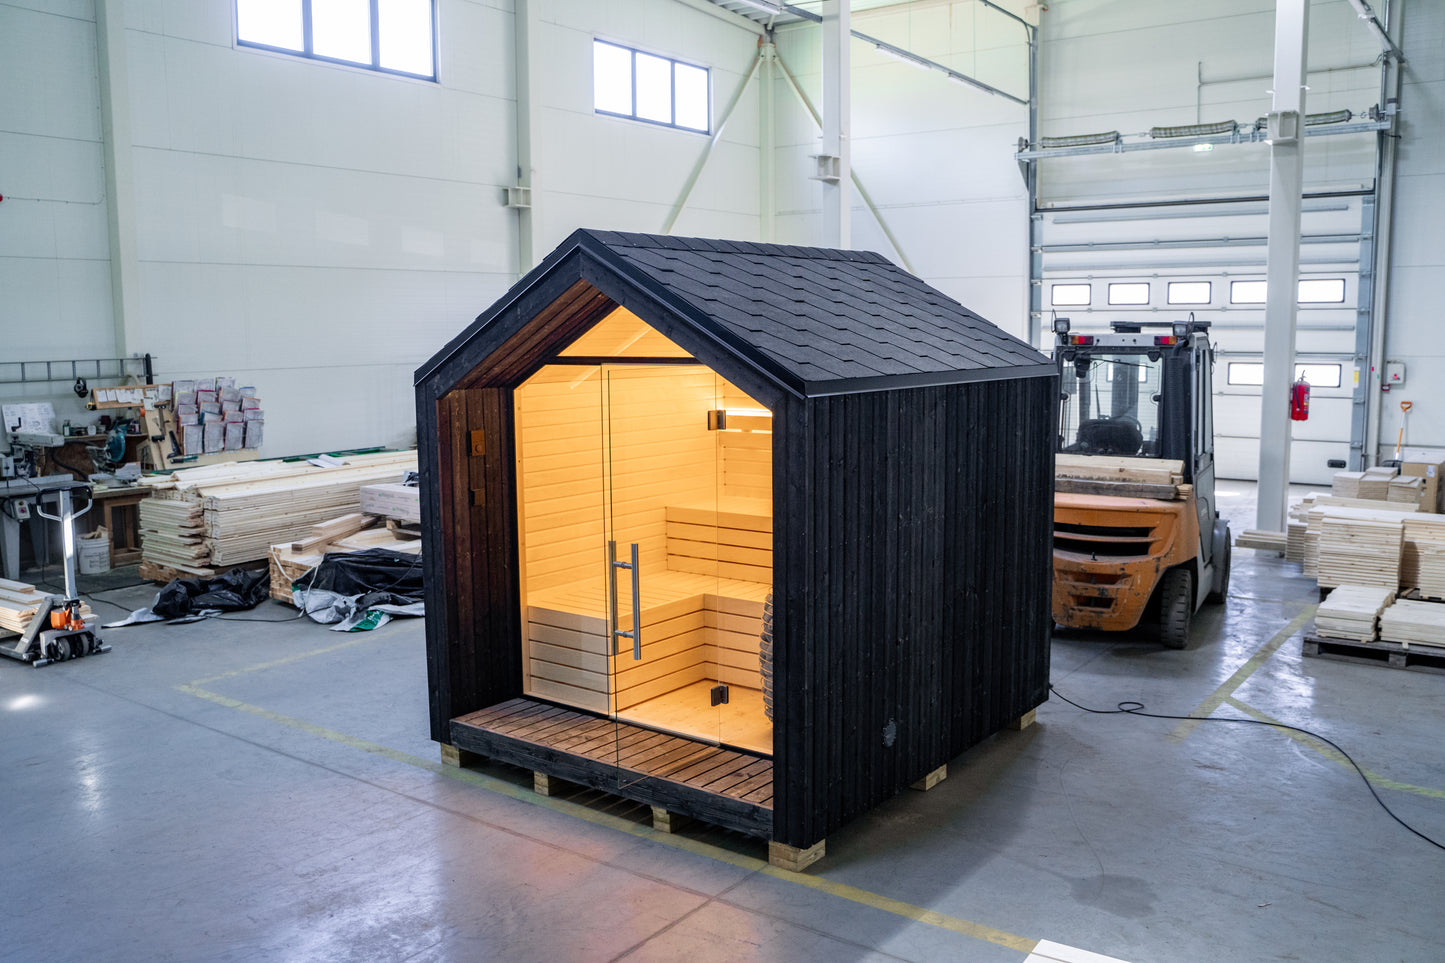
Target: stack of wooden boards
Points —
{"points": [[1409, 622], [19, 602], [1353, 612], [1372, 483], [1360, 551], [349, 533], [1156, 478], [1422, 555], [202, 520]]}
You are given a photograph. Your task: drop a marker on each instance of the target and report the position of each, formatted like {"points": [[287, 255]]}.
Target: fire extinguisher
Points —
{"points": [[1299, 401]]}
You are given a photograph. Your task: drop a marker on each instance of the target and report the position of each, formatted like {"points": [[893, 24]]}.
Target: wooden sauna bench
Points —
{"points": [[697, 630]]}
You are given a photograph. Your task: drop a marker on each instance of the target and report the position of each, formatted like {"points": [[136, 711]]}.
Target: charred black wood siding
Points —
{"points": [[915, 576]]}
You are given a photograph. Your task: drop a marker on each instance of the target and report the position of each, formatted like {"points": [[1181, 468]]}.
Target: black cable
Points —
{"points": [[1132, 708]]}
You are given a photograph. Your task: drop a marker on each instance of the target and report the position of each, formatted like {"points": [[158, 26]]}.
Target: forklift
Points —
{"points": [[1139, 396]]}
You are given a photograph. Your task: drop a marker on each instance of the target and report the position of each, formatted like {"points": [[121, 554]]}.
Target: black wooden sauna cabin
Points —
{"points": [[742, 421]]}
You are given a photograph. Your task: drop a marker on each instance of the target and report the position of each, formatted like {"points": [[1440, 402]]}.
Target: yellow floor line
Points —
{"points": [[853, 894], [1333, 756], [1241, 675], [286, 661]]}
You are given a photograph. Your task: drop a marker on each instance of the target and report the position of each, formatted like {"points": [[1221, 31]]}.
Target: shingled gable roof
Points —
{"points": [[816, 320]]}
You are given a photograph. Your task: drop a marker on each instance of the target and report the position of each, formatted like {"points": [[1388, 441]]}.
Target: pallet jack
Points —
{"points": [[57, 632]]}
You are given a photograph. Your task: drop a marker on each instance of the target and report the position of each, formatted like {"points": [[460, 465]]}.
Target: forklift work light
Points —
{"points": [[1061, 325], [1181, 329]]}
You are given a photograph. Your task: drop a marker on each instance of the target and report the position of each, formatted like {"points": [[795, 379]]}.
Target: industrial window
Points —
{"points": [[1311, 291], [1322, 291], [1129, 293], [1189, 292], [391, 36], [1069, 294], [642, 86], [1251, 373]]}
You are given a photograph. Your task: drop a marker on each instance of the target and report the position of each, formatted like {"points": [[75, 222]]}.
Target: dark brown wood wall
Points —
{"points": [[913, 569], [470, 554]]}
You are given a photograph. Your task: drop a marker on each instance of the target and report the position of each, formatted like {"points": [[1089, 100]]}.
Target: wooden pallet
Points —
{"points": [[1390, 654]]}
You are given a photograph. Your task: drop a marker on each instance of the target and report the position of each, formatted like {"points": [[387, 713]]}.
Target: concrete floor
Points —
{"points": [[244, 791]]}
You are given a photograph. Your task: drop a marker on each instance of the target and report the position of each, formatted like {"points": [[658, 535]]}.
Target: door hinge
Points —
{"points": [[719, 695]]}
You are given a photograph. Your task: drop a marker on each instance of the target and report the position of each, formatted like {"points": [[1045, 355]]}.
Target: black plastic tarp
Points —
{"points": [[376, 576], [238, 589]]}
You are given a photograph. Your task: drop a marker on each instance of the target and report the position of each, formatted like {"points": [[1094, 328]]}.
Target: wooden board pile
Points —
{"points": [[1360, 551], [1314, 509], [349, 533], [1261, 540], [1427, 564], [20, 601], [202, 520], [1406, 490], [1294, 540], [1116, 475], [1411, 622], [1353, 612], [1372, 484]]}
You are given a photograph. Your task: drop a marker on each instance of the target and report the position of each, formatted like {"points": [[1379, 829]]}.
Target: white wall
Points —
{"points": [[317, 230], [935, 156], [1417, 272], [55, 297]]}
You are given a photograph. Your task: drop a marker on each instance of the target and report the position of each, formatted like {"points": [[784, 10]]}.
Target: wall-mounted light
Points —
{"points": [[740, 419]]}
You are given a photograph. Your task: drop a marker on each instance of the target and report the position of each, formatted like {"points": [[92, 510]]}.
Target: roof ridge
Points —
{"points": [[638, 239]]}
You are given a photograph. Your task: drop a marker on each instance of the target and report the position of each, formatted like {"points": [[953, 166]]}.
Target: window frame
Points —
{"points": [[308, 53], [1169, 293], [673, 64], [1086, 285]]}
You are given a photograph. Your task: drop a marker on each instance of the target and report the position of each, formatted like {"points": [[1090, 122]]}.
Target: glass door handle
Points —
{"points": [[612, 566]]}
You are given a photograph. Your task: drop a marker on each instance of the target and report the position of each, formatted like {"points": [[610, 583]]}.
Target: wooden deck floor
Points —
{"points": [[724, 787]]}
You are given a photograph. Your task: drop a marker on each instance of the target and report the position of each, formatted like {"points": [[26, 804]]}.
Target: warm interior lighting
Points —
{"points": [[740, 419]]}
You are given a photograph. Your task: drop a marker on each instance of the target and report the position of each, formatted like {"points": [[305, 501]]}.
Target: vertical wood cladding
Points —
{"points": [[916, 583]]}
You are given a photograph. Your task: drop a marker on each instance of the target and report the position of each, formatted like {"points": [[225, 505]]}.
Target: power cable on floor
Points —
{"points": [[1132, 708]]}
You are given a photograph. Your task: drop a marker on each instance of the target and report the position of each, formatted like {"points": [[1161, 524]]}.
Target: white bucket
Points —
{"points": [[93, 554]]}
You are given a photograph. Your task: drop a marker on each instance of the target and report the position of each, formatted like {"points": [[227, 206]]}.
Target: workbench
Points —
{"points": [[118, 509]]}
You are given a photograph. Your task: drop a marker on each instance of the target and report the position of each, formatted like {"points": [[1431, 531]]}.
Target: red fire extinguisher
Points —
{"points": [[1299, 401]]}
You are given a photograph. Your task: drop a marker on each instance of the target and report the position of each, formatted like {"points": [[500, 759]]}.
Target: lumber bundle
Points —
{"points": [[1427, 558], [1115, 475], [1353, 612], [1294, 543], [1414, 622], [19, 603], [1360, 551], [349, 533], [1346, 484], [201, 520], [1406, 490], [1260, 540], [1372, 484]]}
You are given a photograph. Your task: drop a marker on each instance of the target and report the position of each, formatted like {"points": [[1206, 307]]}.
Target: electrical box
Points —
{"points": [[1394, 373]]}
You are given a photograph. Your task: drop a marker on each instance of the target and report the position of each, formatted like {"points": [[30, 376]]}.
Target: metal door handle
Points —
{"points": [[612, 566]]}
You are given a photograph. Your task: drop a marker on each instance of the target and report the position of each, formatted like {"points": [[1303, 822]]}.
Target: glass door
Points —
{"points": [[661, 472]]}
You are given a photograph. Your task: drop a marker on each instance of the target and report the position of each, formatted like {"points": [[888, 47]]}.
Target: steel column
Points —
{"points": [[120, 206], [1286, 190], [837, 191]]}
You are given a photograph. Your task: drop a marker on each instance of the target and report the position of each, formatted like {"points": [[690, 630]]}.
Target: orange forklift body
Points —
{"points": [[1110, 553]]}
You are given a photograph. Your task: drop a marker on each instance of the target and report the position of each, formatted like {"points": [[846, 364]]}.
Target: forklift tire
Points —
{"points": [[1176, 607], [1218, 596]]}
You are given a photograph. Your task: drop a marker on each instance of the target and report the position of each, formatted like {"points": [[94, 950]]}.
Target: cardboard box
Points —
{"points": [[394, 501], [1429, 464]]}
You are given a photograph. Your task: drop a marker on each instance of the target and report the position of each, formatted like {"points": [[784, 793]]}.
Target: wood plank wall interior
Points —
{"points": [[623, 334], [643, 429]]}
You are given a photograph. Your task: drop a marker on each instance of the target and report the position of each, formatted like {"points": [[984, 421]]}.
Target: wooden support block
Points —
{"points": [[461, 758], [932, 779], [545, 785], [666, 822], [1024, 721], [794, 859]]}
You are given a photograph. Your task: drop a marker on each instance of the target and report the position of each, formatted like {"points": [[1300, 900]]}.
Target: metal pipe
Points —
{"points": [[712, 142], [1373, 23], [1386, 161]]}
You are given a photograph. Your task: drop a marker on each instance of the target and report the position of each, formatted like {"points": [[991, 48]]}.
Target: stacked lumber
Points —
{"points": [[1406, 490], [1353, 612], [1261, 540], [201, 520], [1116, 475], [1427, 567], [349, 533], [19, 603], [1294, 544], [1317, 508], [1346, 484], [1411, 622], [1375, 483], [1360, 551]]}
